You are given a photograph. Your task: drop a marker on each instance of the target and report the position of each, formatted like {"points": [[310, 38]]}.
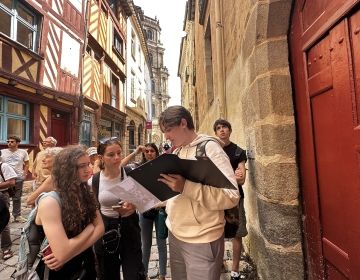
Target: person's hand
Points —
{"points": [[30, 202], [126, 209], [239, 174], [175, 182], [52, 262], [139, 149]]}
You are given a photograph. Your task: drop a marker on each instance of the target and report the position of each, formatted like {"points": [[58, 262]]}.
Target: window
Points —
{"points": [[131, 129], [164, 86], [139, 53], [153, 110], [117, 129], [151, 59], [153, 86], [209, 65], [133, 50], [118, 43], [20, 23], [85, 129], [140, 132], [150, 34], [132, 91], [161, 59], [113, 6], [114, 91], [14, 119]]}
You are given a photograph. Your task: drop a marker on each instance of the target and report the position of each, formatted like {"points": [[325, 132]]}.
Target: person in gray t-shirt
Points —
{"points": [[18, 159], [7, 179]]}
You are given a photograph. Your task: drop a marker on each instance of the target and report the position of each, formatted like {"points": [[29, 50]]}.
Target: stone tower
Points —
{"points": [[159, 82]]}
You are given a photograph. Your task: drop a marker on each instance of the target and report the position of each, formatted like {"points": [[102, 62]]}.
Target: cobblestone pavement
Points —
{"points": [[7, 267]]}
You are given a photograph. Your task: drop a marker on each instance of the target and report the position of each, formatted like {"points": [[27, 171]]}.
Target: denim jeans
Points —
{"points": [[5, 235], [146, 226], [16, 199]]}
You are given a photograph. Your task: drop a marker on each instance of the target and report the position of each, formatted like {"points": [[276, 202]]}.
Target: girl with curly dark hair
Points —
{"points": [[73, 225], [121, 243]]}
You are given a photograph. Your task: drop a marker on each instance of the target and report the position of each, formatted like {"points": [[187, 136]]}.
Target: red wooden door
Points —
{"points": [[326, 71], [60, 128]]}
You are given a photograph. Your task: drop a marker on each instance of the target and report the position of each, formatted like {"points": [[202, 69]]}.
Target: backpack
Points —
{"points": [[4, 209], [10, 190], [29, 254], [231, 215], [4, 213]]}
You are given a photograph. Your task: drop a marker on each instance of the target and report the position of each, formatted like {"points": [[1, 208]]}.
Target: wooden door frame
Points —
{"points": [[299, 42]]}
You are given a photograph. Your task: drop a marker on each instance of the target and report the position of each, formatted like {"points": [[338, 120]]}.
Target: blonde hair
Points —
{"points": [[53, 151]]}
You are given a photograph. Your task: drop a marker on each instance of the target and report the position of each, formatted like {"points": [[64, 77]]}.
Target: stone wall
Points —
{"points": [[259, 102]]}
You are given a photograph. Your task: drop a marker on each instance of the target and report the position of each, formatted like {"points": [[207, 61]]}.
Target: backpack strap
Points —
{"points": [[1, 172], [200, 149], [95, 182], [52, 194], [22, 269]]}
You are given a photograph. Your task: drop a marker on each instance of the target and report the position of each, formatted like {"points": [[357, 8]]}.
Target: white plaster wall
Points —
{"points": [[135, 66], [70, 55]]}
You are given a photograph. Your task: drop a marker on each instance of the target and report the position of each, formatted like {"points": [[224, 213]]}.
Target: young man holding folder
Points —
{"points": [[195, 216]]}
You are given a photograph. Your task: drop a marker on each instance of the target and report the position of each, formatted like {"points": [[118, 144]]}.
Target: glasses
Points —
{"points": [[108, 139]]}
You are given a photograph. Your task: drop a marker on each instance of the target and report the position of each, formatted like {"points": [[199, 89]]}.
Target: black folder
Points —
{"points": [[202, 170]]}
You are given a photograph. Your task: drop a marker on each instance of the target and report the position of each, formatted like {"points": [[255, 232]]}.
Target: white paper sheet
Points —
{"points": [[131, 191]]}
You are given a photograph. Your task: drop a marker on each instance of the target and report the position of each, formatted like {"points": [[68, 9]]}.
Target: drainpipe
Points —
{"points": [[220, 59], [81, 97]]}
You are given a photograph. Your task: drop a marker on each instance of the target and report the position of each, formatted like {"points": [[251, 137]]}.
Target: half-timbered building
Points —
{"points": [[41, 44], [104, 73]]}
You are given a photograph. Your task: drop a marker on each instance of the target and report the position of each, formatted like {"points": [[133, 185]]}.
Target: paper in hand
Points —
{"points": [[131, 191]]}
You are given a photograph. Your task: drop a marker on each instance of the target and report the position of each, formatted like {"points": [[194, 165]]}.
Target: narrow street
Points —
{"points": [[7, 267]]}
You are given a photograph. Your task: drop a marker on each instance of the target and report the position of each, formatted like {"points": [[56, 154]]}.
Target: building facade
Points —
{"points": [[160, 74], [138, 84], [40, 70], [186, 67], [103, 86], [285, 74]]}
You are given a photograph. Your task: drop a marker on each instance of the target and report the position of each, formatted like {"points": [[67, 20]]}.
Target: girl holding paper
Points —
{"points": [[121, 243]]}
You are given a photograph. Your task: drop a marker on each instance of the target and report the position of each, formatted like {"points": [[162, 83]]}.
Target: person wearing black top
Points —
{"points": [[237, 156]]}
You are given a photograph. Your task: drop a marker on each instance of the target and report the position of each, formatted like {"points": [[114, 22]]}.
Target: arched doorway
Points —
{"points": [[325, 56]]}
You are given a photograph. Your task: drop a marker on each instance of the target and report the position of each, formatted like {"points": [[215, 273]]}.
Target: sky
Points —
{"points": [[171, 18]]}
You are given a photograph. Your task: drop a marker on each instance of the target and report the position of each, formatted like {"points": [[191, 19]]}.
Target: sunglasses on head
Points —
{"points": [[108, 139]]}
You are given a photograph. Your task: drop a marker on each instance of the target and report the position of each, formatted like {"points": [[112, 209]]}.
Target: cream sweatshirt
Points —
{"points": [[197, 214]]}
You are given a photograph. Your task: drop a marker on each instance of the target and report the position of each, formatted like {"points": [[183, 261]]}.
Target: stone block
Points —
{"points": [[276, 139], [274, 264], [276, 181], [271, 55], [278, 18], [279, 223], [261, 22], [275, 96], [267, 95]]}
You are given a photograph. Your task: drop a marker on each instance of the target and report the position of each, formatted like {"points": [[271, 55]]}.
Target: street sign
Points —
{"points": [[148, 124]]}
